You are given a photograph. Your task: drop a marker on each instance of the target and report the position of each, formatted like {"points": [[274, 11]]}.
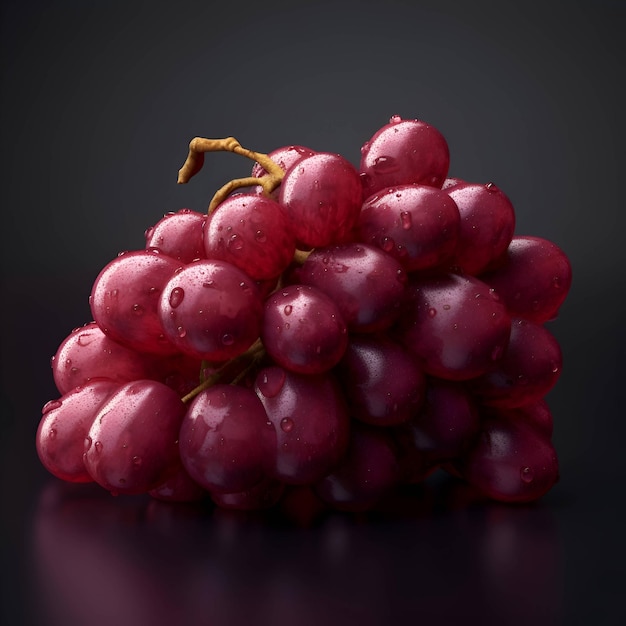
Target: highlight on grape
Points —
{"points": [[324, 327]]}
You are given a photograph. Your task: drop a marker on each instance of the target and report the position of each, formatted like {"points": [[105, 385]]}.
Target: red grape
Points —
{"points": [[178, 235], [132, 445], [404, 152]]}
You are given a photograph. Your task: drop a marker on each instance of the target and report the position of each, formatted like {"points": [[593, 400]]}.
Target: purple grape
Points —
{"points": [[178, 235], [486, 226], [533, 278], [443, 428], [311, 421], [227, 443], [365, 283], [404, 152], [132, 445], [416, 224], [64, 425], [263, 495], [383, 382], [529, 368], [322, 196], [511, 462], [180, 487], [455, 325], [251, 232], [285, 157], [303, 330], [125, 296], [367, 472], [211, 310]]}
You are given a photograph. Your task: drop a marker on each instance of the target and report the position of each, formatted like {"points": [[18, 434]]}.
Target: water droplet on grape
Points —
{"points": [[286, 424], [209, 284], [446, 307], [228, 339], [136, 461], [87, 443], [52, 433], [432, 312], [271, 382], [364, 148], [388, 244], [406, 220], [181, 332], [260, 236], [395, 119], [555, 368], [385, 164], [50, 406], [149, 232], [235, 243], [288, 309], [526, 474], [556, 282], [176, 297], [98, 446], [137, 310]]}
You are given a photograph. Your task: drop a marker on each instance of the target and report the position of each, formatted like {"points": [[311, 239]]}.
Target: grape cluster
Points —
{"points": [[344, 330]]}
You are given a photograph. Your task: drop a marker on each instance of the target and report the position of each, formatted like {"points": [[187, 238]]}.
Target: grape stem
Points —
{"points": [[232, 368], [195, 160]]}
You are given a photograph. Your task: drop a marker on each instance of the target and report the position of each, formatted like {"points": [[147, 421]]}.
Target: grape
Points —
{"points": [[440, 431], [404, 152], [285, 157], [132, 445], [227, 443], [125, 296], [303, 329], [322, 196], [529, 368], [532, 279], [63, 427], [367, 472], [178, 235], [383, 383], [211, 310], [263, 495], [511, 462], [365, 283], [536, 415], [180, 487], [486, 226], [416, 224], [311, 421], [455, 325], [88, 353], [251, 232]]}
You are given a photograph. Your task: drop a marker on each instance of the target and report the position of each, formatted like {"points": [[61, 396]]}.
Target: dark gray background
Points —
{"points": [[99, 100]]}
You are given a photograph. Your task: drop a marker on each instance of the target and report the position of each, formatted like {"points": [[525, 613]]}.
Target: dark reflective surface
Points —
{"points": [[433, 554]]}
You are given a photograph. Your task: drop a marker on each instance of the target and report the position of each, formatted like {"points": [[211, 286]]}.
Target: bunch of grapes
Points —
{"points": [[340, 330]]}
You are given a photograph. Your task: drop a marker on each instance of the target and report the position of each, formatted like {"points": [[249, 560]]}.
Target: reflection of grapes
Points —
{"points": [[406, 334]]}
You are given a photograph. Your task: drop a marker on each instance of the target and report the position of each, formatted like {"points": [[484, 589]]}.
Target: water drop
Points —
{"points": [[432, 312], [406, 220], [136, 461], [260, 236], [84, 339], [286, 424], [555, 368], [50, 406], [98, 446], [288, 309], [385, 164], [149, 232], [208, 284], [52, 433], [137, 310], [272, 381], [365, 147], [87, 443], [556, 282], [526, 474], [181, 332], [235, 243], [395, 119], [491, 187], [228, 339], [446, 307], [176, 297], [388, 244]]}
